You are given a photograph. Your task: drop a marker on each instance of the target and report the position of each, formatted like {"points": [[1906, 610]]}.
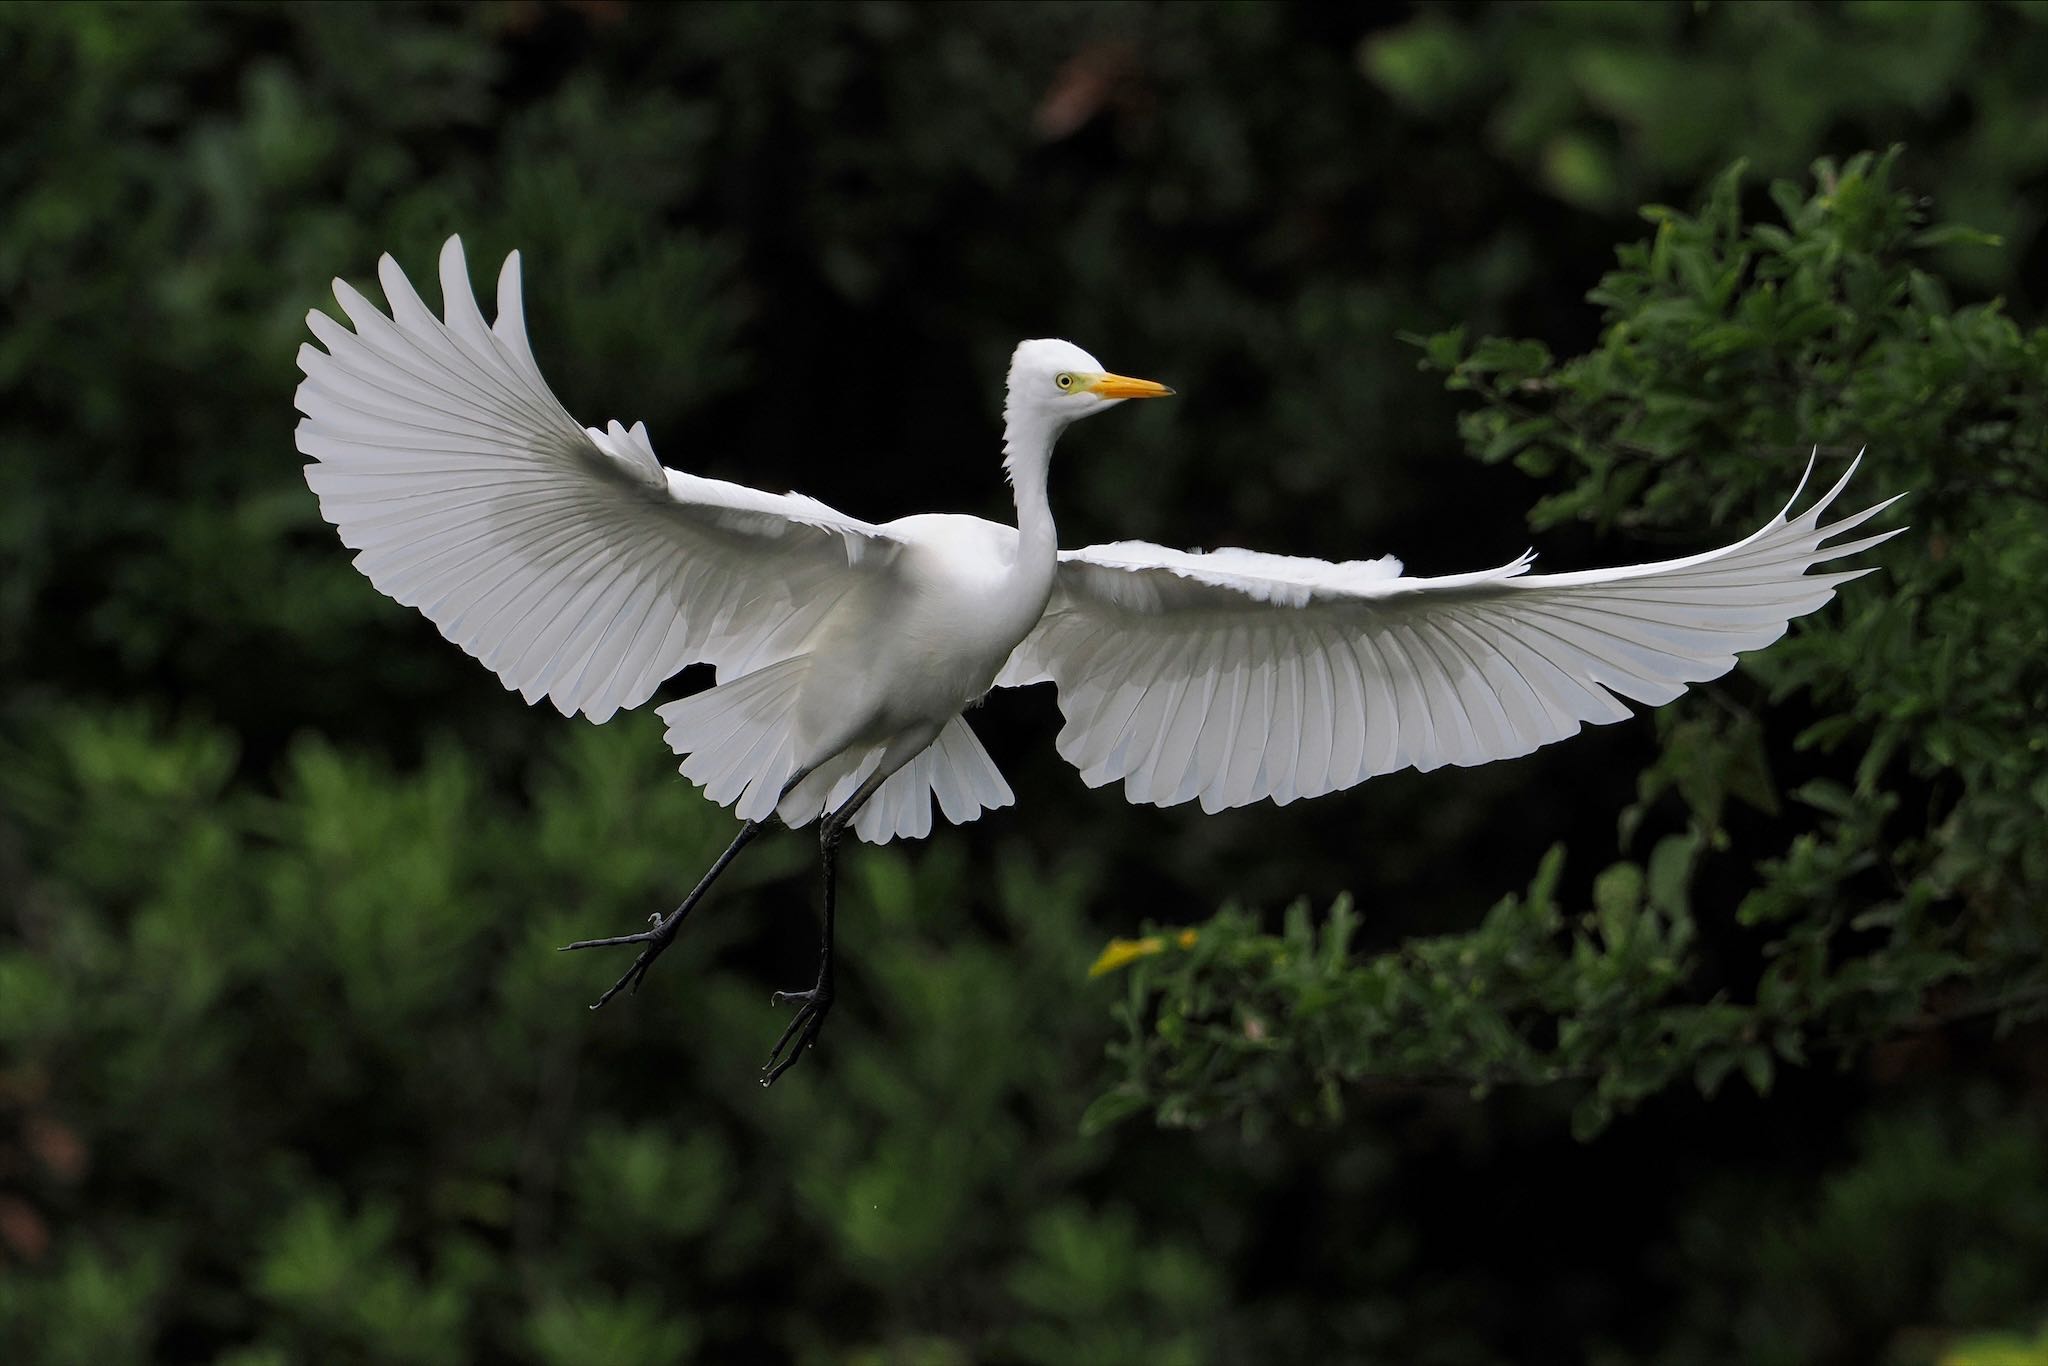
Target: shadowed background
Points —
{"points": [[288, 1068]]}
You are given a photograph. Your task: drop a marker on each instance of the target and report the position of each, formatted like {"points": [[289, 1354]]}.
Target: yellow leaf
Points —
{"points": [[1122, 953]]}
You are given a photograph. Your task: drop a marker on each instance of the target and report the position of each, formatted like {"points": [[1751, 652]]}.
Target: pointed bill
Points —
{"points": [[1123, 386]]}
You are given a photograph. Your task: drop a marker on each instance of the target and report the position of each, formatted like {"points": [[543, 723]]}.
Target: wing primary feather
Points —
{"points": [[1522, 702], [1418, 742], [1347, 713], [1255, 724], [1178, 780], [1219, 730], [1283, 749], [1384, 724], [1466, 747], [1493, 731], [1319, 707]]}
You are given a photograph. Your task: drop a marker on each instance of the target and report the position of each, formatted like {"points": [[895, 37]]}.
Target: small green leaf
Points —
{"points": [[1110, 1109]]}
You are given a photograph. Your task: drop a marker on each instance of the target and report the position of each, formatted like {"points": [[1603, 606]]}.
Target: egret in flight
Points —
{"points": [[578, 568]]}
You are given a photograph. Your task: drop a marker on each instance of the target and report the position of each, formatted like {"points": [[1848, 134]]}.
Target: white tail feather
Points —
{"points": [[739, 738], [741, 746], [954, 768]]}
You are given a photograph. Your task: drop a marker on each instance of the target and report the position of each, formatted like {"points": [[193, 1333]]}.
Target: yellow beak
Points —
{"points": [[1123, 386]]}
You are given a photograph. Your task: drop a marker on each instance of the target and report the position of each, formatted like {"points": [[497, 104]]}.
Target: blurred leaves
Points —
{"points": [[1605, 104], [501, 1146]]}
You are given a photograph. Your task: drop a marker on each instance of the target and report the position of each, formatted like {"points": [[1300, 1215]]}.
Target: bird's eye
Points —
{"points": [[1066, 381]]}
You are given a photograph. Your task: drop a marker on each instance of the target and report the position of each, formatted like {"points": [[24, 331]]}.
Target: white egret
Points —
{"points": [[575, 566]]}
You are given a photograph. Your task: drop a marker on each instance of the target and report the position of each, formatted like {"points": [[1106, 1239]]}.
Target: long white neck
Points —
{"points": [[1028, 438]]}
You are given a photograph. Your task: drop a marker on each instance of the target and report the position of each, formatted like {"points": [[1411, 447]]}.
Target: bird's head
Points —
{"points": [[1057, 380]]}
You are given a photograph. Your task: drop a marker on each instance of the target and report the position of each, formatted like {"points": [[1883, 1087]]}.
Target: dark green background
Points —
{"points": [[288, 1071]]}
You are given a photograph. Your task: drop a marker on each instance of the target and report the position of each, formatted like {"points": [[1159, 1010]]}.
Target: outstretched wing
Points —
{"points": [[1232, 676], [567, 559]]}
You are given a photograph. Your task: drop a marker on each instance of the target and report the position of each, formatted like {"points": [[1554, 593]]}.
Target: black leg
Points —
{"points": [[663, 932], [803, 1027]]}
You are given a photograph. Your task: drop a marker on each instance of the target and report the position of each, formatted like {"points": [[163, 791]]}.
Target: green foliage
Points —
{"points": [[1941, 1208], [1255, 1020], [1606, 103], [1912, 887], [508, 1154]]}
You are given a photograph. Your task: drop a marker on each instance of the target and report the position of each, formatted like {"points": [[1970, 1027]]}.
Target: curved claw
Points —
{"points": [[802, 1031], [644, 937], [630, 980], [661, 930], [655, 939]]}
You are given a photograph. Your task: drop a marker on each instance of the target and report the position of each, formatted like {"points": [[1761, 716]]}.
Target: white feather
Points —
{"points": [[1305, 677], [566, 559]]}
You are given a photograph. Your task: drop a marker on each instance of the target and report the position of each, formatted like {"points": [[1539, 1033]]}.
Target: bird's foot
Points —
{"points": [[802, 1030], [660, 933]]}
